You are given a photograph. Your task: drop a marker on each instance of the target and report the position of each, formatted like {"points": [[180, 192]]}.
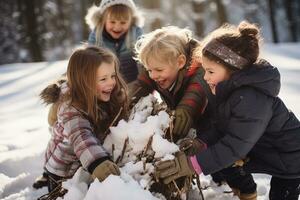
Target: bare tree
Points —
{"points": [[290, 8], [272, 20], [32, 33]]}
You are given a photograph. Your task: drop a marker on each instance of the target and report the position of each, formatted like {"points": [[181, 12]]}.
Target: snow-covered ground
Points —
{"points": [[24, 130]]}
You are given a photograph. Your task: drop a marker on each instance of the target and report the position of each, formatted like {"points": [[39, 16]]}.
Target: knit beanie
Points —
{"points": [[108, 3], [95, 12]]}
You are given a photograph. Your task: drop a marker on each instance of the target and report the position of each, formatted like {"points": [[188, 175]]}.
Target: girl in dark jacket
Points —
{"points": [[251, 121]]}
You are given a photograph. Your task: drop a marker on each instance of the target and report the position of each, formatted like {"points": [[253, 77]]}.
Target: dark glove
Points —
{"points": [[104, 169], [183, 123], [170, 170], [192, 146]]}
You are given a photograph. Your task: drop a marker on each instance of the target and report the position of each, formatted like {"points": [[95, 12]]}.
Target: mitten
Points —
{"points": [[192, 146], [104, 169], [170, 170], [183, 123]]}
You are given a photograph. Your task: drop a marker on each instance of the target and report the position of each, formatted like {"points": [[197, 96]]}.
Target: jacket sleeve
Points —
{"points": [[194, 99], [142, 87], [79, 133], [249, 113]]}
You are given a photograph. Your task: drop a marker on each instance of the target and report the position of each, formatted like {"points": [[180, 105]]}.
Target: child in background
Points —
{"points": [[117, 25], [166, 54], [252, 122], [88, 102]]}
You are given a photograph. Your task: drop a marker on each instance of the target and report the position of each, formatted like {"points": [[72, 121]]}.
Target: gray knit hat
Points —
{"points": [[108, 3], [95, 12]]}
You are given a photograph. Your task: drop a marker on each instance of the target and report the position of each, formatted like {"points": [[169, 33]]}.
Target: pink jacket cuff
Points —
{"points": [[195, 164]]}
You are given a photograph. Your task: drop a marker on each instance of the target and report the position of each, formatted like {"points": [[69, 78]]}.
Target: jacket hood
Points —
{"points": [[95, 13], [261, 76]]}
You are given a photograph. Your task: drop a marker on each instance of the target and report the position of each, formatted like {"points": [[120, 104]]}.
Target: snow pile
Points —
{"points": [[135, 146]]}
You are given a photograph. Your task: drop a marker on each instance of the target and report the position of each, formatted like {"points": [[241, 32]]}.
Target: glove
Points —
{"points": [[104, 169], [192, 146], [183, 123], [173, 169]]}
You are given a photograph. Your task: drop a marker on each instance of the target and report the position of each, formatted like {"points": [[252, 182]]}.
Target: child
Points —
{"points": [[252, 121], [166, 54], [88, 102], [117, 25]]}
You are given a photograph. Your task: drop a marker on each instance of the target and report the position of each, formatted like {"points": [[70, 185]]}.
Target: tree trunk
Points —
{"points": [[272, 21], [31, 32], [222, 15], [198, 7], [292, 18]]}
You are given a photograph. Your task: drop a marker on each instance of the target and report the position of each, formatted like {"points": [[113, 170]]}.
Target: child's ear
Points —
{"points": [[181, 60]]}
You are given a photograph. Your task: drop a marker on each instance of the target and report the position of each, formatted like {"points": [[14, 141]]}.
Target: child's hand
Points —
{"points": [[183, 123], [104, 169], [171, 170], [192, 146]]}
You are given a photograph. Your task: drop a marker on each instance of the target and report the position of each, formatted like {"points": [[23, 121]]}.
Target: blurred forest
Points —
{"points": [[48, 30]]}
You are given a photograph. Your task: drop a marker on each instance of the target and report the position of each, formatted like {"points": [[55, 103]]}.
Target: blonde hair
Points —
{"points": [[117, 12], [164, 44], [81, 76]]}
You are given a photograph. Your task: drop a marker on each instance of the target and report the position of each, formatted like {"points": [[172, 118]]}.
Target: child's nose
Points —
{"points": [[154, 75]]}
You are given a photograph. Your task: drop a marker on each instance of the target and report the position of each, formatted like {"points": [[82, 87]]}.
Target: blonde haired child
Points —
{"points": [[116, 24], [167, 55], [252, 122], [88, 102]]}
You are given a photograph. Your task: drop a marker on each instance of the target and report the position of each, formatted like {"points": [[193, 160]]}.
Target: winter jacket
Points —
{"points": [[73, 143], [189, 91], [128, 66], [252, 121]]}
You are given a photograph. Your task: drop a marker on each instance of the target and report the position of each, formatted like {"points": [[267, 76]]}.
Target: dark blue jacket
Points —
{"points": [[252, 121], [128, 66]]}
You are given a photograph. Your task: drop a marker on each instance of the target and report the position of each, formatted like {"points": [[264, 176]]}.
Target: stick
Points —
{"points": [[115, 119]]}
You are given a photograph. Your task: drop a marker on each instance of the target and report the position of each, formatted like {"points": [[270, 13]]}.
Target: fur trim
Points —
{"points": [[94, 14]]}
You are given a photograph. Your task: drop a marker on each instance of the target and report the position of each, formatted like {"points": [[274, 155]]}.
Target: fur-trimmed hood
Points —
{"points": [[94, 14]]}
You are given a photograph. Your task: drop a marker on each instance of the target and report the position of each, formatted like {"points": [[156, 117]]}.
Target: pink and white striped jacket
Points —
{"points": [[73, 143]]}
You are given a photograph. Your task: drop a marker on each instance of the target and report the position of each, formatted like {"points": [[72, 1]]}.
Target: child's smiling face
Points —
{"points": [[117, 27], [164, 73], [106, 81], [214, 73]]}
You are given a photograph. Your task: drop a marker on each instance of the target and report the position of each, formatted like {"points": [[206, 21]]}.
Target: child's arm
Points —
{"points": [[142, 87], [191, 105], [80, 134], [250, 112]]}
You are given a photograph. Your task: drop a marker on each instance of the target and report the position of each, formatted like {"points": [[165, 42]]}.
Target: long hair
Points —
{"points": [[118, 12], [81, 76]]}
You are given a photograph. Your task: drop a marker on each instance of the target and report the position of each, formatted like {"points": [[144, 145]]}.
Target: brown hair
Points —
{"points": [[242, 40], [81, 76]]}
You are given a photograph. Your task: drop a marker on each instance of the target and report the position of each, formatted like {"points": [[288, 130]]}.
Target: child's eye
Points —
{"points": [[101, 79]]}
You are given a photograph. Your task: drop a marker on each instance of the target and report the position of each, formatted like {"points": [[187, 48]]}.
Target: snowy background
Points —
{"points": [[24, 130]]}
